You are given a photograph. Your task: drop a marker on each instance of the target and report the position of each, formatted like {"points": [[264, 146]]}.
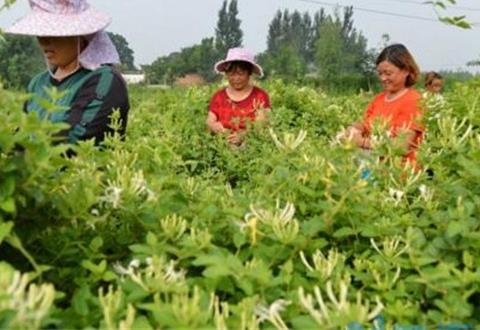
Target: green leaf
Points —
{"points": [[7, 187], [455, 228], [5, 229], [80, 300], [344, 232], [96, 243], [8, 205], [96, 269]]}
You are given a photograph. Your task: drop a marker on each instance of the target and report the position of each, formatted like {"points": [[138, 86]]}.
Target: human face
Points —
{"points": [[238, 79], [435, 86], [61, 52], [393, 79]]}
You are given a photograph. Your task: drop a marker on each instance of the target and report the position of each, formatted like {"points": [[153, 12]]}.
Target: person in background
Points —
{"points": [[397, 107], [79, 56], [231, 108], [433, 82], [433, 99]]}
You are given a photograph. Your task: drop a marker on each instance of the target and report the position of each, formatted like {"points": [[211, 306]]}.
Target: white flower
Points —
{"points": [[329, 312], [113, 196], [396, 195], [391, 247], [321, 264], [281, 221], [171, 275], [290, 141], [135, 263], [272, 313], [425, 193], [120, 270]]}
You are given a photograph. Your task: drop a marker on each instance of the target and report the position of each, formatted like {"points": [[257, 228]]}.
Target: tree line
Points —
{"points": [[326, 49], [322, 49]]}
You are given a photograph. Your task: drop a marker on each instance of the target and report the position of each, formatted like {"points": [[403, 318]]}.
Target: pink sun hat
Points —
{"points": [[239, 54], [60, 18]]}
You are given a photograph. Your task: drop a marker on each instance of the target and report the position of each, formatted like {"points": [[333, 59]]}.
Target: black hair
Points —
{"points": [[398, 55], [241, 65]]}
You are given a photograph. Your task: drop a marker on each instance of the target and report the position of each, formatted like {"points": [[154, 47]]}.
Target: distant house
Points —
{"points": [[134, 78]]}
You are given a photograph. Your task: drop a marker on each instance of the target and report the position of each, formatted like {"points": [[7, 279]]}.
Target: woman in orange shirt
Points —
{"points": [[398, 106]]}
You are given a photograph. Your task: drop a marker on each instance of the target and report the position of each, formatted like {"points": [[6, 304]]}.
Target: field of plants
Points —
{"points": [[172, 228]]}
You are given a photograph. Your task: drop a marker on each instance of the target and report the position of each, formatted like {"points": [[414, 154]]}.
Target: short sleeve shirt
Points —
{"points": [[234, 115], [402, 113]]}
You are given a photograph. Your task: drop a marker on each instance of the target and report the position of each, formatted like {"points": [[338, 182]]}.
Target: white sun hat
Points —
{"points": [[70, 18], [242, 55]]}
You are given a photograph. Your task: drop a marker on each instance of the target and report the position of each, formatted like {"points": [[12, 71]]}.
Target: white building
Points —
{"points": [[134, 78]]}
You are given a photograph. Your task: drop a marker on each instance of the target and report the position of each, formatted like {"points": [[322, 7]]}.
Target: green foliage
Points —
{"points": [[441, 6], [325, 48], [172, 228], [20, 60], [127, 59], [198, 59]]}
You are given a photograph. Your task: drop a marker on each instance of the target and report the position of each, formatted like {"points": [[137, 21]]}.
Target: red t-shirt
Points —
{"points": [[402, 113], [232, 114]]}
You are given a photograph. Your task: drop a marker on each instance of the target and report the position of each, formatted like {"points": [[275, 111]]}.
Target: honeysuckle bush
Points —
{"points": [[173, 228]]}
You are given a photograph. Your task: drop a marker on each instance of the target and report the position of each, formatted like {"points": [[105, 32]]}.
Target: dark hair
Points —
{"points": [[399, 56], [241, 65], [431, 76]]}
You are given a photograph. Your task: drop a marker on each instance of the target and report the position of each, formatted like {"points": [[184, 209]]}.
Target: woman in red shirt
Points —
{"points": [[398, 106], [232, 107]]}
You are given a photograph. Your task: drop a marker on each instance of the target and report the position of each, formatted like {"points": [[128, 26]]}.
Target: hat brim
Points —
{"points": [[221, 66], [42, 24]]}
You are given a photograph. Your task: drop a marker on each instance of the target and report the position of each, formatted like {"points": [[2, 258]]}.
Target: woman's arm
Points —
{"points": [[356, 134], [213, 124]]}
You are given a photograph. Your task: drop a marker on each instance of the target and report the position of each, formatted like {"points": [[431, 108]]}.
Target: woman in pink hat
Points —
{"points": [[232, 107], [79, 56]]}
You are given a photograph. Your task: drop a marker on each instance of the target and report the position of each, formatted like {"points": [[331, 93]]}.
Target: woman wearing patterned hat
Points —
{"points": [[79, 56], [232, 107]]}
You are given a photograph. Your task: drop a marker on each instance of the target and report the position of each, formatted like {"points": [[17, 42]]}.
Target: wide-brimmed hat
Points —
{"points": [[60, 18], [239, 54]]}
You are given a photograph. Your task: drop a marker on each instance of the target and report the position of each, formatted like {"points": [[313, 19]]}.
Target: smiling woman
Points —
{"points": [[79, 57], [241, 102], [397, 106]]}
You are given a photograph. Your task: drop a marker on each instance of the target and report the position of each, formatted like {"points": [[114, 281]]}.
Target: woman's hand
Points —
{"points": [[355, 134], [236, 138], [214, 125], [217, 128]]}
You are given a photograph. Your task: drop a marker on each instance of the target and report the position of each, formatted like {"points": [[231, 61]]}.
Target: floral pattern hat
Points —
{"points": [[67, 18]]}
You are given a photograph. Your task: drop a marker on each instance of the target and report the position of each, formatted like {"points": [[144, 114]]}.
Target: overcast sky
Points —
{"points": [[157, 27]]}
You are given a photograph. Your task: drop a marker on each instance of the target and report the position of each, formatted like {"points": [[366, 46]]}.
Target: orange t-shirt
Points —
{"points": [[402, 113]]}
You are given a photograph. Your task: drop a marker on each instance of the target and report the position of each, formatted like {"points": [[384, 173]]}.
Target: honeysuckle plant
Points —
{"points": [[171, 228]]}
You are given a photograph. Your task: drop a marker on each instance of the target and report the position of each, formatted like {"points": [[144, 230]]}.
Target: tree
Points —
{"points": [[288, 41], [124, 51], [228, 33], [274, 37], [197, 59], [20, 60], [342, 57], [329, 54]]}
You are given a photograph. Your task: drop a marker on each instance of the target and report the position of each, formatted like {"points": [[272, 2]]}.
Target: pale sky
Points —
{"points": [[155, 28]]}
